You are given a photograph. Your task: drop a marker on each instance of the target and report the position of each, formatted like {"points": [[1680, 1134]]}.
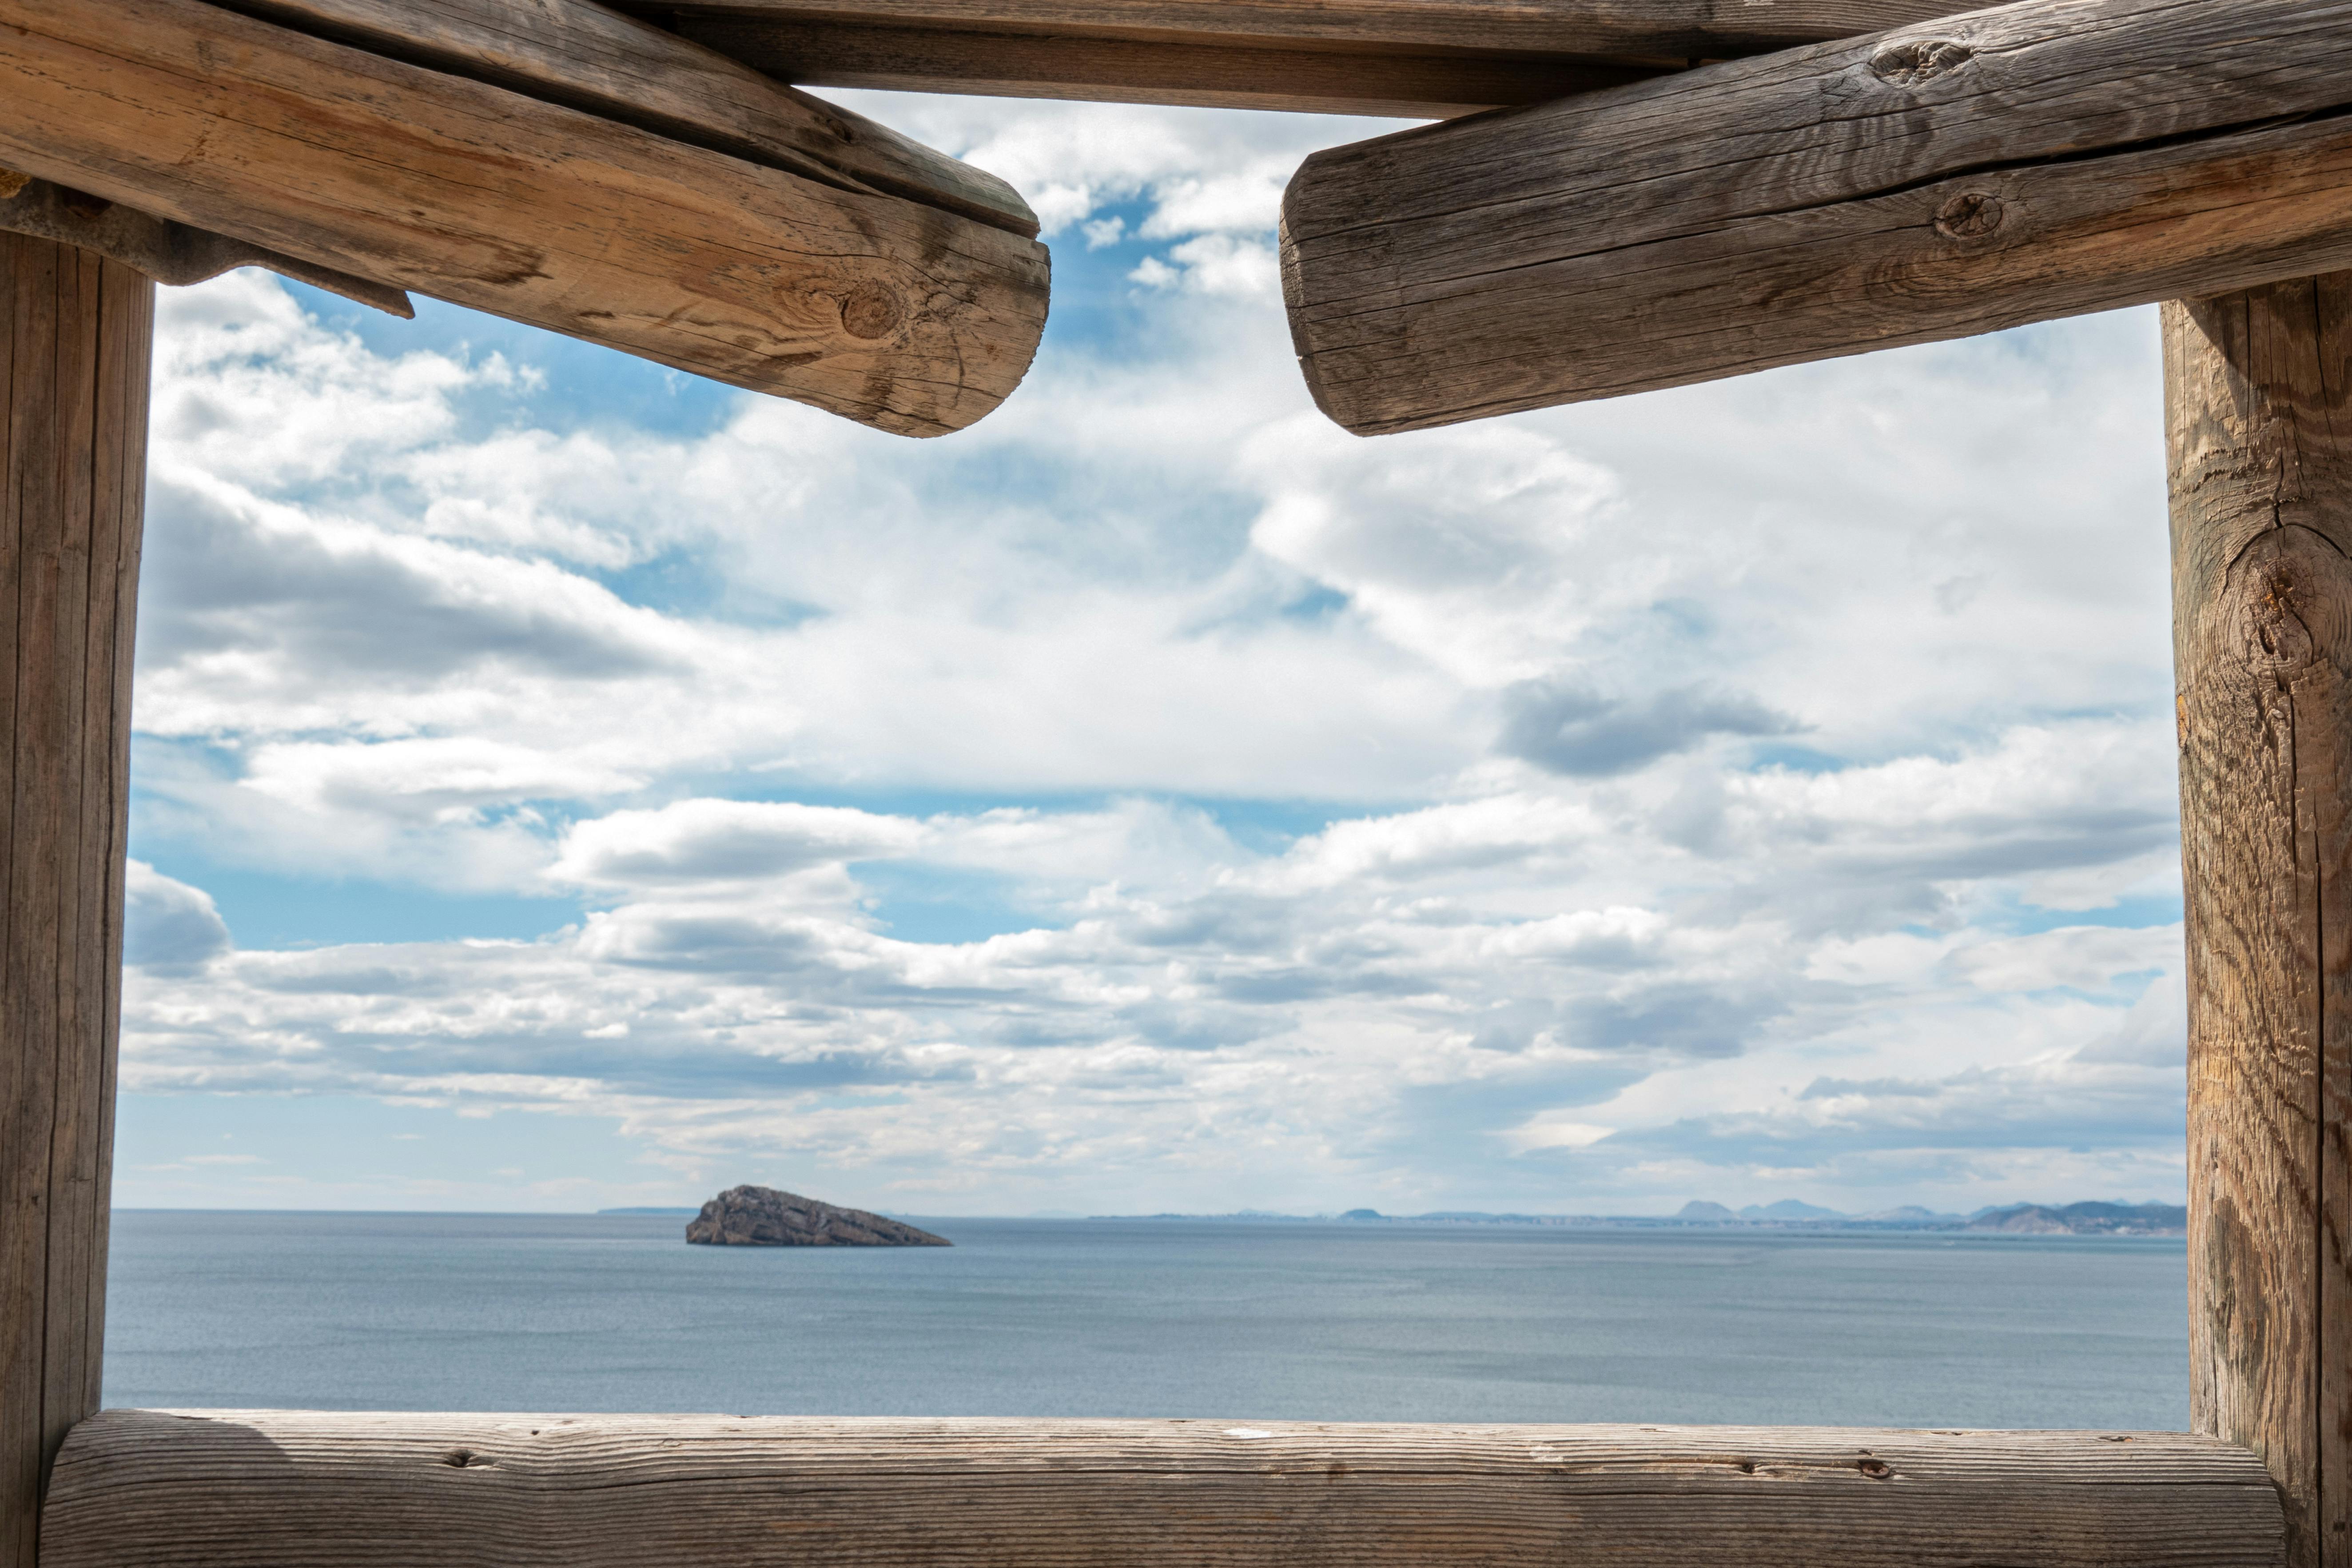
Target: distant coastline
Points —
{"points": [[2012, 1219]]}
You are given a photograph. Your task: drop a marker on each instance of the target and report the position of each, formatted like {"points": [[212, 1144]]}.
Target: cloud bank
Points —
{"points": [[1155, 797]]}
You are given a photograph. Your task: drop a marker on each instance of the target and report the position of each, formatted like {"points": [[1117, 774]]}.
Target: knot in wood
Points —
{"points": [[1971, 215], [1913, 62], [2289, 594], [2276, 637], [870, 311]]}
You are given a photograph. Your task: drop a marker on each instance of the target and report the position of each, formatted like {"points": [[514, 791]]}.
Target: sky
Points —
{"points": [[560, 783]]}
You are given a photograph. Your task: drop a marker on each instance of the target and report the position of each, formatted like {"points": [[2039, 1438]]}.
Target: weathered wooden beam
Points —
{"points": [[75, 334], [1224, 75], [2042, 158], [579, 53], [1672, 29], [1412, 57], [2258, 415], [276, 1489], [165, 252], [897, 314]]}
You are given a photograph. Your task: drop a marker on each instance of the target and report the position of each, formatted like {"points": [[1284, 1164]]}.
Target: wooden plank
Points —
{"points": [[591, 57], [2042, 158], [895, 314], [275, 1489], [1226, 75], [75, 332], [2258, 414], [1411, 57]]}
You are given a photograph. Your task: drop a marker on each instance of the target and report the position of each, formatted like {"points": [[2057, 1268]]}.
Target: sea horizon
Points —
{"points": [[1329, 1320], [2084, 1217], [1245, 1213]]}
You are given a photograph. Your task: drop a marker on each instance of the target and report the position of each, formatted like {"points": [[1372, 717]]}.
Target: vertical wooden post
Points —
{"points": [[75, 337], [2258, 415]]}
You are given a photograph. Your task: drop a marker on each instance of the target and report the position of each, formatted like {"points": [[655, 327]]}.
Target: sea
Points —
{"points": [[1333, 1321]]}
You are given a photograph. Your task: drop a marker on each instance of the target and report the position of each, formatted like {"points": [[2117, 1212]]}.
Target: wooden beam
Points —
{"points": [[1672, 29], [277, 1489], [75, 333], [1411, 57], [1227, 75], [581, 54], [165, 252], [2043, 159], [2258, 416], [896, 314]]}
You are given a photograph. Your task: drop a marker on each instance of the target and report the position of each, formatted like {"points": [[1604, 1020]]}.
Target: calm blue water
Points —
{"points": [[1150, 1318]]}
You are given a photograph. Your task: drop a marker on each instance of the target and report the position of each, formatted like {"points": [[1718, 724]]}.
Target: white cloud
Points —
{"points": [[1215, 264], [2086, 958], [167, 924], [724, 841], [1591, 808]]}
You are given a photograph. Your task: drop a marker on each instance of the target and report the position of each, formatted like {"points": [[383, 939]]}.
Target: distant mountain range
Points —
{"points": [[2014, 1219]]}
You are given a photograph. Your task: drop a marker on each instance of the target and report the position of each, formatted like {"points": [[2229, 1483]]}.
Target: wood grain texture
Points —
{"points": [[1227, 74], [1411, 59], [2041, 159], [892, 314], [1662, 29], [274, 1489], [165, 252], [74, 335], [591, 57], [2258, 413]]}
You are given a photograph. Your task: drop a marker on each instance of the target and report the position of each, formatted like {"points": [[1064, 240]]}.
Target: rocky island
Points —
{"points": [[762, 1216]]}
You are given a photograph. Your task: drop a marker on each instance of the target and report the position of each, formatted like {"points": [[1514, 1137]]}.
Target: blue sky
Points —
{"points": [[561, 783]]}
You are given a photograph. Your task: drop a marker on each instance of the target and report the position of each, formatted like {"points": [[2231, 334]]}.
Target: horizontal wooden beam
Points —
{"points": [[2043, 159], [579, 53], [1674, 29], [892, 313], [277, 1489], [164, 251], [1222, 75], [1413, 58]]}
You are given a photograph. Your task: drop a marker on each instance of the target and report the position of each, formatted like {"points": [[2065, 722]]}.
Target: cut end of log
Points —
{"points": [[1310, 371]]}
